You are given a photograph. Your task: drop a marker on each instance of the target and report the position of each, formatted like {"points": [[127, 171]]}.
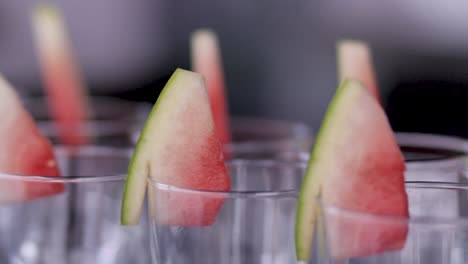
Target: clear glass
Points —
{"points": [[259, 138], [80, 224], [435, 233], [112, 123], [254, 225]]}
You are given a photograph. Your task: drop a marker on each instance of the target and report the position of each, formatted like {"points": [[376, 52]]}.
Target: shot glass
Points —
{"points": [[251, 223], [255, 221], [428, 236], [112, 121], [73, 218]]}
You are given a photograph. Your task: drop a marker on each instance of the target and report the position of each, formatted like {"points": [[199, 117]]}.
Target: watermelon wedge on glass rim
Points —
{"points": [[206, 59], [354, 60], [66, 91], [355, 165], [178, 146], [24, 151]]}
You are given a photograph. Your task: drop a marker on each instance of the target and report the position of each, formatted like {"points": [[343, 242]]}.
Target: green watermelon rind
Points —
{"points": [[311, 186]]}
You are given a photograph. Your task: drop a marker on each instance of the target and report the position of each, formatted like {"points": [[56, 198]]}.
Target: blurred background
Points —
{"points": [[279, 57]]}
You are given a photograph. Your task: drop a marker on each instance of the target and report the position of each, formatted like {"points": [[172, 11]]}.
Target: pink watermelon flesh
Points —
{"points": [[204, 171], [65, 89], [364, 173], [67, 104], [355, 62], [24, 151], [206, 59]]}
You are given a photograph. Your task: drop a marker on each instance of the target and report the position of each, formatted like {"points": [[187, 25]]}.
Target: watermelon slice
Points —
{"points": [[178, 146], [65, 88], [355, 62], [355, 165], [206, 59], [24, 151]]}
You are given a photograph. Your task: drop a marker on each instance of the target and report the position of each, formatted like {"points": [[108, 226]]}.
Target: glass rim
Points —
{"points": [[40, 104], [300, 127], [296, 132], [265, 163], [92, 127], [437, 140], [420, 221], [252, 146], [126, 152], [120, 152], [431, 141]]}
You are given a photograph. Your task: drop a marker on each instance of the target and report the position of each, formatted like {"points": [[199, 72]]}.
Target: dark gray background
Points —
{"points": [[279, 55]]}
